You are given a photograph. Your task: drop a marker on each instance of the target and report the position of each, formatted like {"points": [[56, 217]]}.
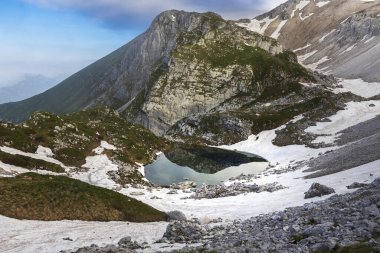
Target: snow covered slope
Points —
{"points": [[340, 37]]}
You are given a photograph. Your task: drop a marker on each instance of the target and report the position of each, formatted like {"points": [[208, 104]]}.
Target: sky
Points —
{"points": [[53, 39]]}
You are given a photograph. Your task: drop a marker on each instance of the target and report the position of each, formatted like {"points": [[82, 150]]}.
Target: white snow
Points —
{"points": [[258, 26], [305, 17], [304, 57], [44, 151], [354, 113], [14, 151], [350, 48], [369, 40], [98, 166], [253, 204], [326, 35], [322, 3], [302, 48], [314, 66], [22, 236], [103, 146], [276, 33], [359, 87], [262, 145], [7, 170], [302, 4]]}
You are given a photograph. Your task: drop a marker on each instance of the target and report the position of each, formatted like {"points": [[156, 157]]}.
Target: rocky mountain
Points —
{"points": [[195, 77], [339, 37], [118, 78]]}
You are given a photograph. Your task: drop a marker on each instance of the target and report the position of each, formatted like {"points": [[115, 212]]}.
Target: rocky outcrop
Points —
{"points": [[318, 190], [219, 191]]}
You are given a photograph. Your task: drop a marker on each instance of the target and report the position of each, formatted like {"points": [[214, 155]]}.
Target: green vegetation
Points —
{"points": [[267, 68], [42, 197], [29, 163], [72, 137]]}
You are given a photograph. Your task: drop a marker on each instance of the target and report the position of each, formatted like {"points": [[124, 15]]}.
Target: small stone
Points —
{"points": [[356, 185], [136, 193]]}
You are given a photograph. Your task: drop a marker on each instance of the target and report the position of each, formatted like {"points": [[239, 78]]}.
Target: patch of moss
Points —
{"points": [[42, 197]]}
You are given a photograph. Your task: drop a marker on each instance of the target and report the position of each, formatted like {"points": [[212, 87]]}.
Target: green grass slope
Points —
{"points": [[41, 197]]}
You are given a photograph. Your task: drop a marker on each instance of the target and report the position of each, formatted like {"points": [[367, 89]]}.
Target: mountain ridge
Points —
{"points": [[338, 37]]}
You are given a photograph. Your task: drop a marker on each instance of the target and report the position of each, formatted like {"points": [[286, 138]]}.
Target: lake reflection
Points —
{"points": [[165, 172]]}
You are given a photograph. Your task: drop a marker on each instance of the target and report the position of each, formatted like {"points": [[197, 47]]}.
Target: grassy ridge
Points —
{"points": [[42, 197], [29, 163], [72, 137]]}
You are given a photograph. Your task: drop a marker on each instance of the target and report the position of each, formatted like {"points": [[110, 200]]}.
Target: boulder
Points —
{"points": [[376, 182], [318, 190], [184, 185], [356, 185], [176, 215]]}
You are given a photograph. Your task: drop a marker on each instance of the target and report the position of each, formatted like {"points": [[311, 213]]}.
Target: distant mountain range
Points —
{"points": [[30, 85]]}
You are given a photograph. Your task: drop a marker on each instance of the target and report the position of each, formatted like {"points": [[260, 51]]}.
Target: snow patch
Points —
{"points": [[14, 151], [326, 35], [258, 26], [276, 33], [302, 48], [322, 3], [314, 66], [22, 236], [43, 151], [302, 4], [98, 166], [308, 16], [103, 146], [304, 57], [369, 40], [354, 113], [359, 87], [350, 48]]}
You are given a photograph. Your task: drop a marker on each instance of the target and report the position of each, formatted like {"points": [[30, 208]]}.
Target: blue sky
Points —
{"points": [[56, 38]]}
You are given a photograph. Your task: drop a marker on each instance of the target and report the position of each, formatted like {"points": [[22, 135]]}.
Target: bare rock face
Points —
{"points": [[339, 37], [318, 190]]}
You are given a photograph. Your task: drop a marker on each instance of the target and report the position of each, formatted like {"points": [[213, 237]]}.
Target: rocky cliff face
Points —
{"points": [[340, 37], [205, 69]]}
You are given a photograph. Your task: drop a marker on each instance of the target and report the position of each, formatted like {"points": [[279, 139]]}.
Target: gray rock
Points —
{"points": [[376, 182], [356, 185], [176, 216], [124, 241], [318, 190]]}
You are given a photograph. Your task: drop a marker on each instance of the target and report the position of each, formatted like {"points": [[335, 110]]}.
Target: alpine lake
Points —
{"points": [[202, 165]]}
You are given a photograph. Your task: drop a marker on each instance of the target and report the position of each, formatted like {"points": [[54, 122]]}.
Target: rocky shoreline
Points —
{"points": [[349, 220]]}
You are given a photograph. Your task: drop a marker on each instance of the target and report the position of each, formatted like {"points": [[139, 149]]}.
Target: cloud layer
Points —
{"points": [[135, 14]]}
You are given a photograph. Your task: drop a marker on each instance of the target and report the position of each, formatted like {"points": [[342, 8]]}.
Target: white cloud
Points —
{"points": [[127, 13]]}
